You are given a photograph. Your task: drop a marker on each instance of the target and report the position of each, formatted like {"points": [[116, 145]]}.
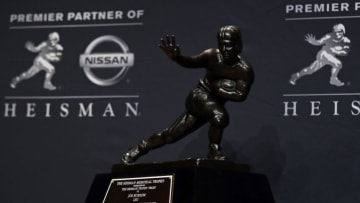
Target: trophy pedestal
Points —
{"points": [[188, 181]]}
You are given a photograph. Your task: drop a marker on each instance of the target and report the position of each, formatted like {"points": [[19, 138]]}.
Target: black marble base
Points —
{"points": [[205, 181]]}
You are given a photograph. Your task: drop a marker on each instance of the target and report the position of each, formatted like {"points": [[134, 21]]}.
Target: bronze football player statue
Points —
{"points": [[228, 78]]}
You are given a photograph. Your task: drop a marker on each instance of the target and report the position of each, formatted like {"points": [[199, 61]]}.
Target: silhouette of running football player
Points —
{"points": [[49, 51], [333, 44]]}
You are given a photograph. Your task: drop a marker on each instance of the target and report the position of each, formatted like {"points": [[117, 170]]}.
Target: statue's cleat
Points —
{"points": [[134, 153], [128, 159], [215, 153]]}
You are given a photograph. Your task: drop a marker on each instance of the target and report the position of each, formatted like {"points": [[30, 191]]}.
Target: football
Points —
{"points": [[227, 84]]}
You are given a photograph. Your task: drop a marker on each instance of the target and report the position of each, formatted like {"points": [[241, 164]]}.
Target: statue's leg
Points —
{"points": [[204, 105], [183, 126], [219, 120]]}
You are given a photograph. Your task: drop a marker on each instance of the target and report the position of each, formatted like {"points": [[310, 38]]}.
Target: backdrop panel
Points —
{"points": [[112, 86]]}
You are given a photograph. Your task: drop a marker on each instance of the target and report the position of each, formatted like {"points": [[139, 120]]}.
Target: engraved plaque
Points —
{"points": [[151, 189]]}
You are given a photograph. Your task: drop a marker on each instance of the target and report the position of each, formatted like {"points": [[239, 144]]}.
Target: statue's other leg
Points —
{"points": [[204, 105], [183, 126], [219, 120]]}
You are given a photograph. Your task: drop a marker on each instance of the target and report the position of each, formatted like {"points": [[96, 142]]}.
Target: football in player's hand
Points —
{"points": [[226, 84]]}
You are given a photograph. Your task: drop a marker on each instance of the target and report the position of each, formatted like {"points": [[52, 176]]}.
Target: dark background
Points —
{"points": [[306, 158]]}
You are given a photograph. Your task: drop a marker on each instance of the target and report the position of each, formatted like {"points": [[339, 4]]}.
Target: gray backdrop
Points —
{"points": [[305, 137]]}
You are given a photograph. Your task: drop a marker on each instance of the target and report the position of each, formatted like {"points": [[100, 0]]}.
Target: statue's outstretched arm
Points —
{"points": [[172, 50]]}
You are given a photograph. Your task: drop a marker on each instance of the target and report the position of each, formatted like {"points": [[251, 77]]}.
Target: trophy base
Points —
{"points": [[187, 181]]}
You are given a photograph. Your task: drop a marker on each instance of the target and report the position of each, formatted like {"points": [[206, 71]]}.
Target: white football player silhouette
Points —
{"points": [[49, 51], [333, 44]]}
